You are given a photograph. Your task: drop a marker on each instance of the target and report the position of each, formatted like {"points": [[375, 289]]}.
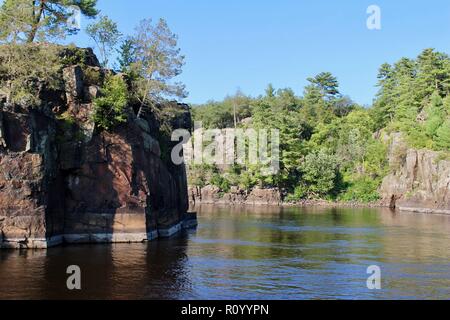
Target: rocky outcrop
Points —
{"points": [[236, 196], [62, 180], [420, 180]]}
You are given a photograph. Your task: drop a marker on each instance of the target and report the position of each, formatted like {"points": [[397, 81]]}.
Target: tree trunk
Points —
{"points": [[36, 20], [235, 115]]}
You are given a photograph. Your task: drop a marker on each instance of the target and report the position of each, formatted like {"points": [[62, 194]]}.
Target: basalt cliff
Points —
{"points": [[64, 181], [419, 179]]}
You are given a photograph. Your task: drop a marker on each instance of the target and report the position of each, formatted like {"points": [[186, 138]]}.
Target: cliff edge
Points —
{"points": [[64, 181], [419, 182]]}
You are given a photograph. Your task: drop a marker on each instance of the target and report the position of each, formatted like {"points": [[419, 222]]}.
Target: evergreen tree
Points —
{"points": [[443, 136], [28, 20], [127, 55], [158, 61], [435, 115]]}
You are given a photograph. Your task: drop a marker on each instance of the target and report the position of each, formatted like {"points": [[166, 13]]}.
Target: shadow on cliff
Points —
{"points": [[153, 169], [91, 198]]}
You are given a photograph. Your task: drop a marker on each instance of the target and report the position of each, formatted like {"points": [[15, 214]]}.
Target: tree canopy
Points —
{"points": [[31, 20]]}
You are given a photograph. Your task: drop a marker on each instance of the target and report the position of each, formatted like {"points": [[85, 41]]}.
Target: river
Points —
{"points": [[252, 253]]}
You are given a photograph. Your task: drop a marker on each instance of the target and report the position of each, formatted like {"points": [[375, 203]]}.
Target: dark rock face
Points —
{"points": [[420, 181], [65, 182]]}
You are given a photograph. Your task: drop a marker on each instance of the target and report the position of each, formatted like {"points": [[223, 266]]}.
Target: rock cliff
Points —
{"points": [[236, 196], [420, 180], [62, 180]]}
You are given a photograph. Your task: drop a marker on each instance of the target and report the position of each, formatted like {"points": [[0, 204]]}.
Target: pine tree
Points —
{"points": [[41, 19], [435, 115], [127, 55], [443, 136]]}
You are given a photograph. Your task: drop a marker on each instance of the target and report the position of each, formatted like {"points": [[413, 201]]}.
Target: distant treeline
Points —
{"points": [[332, 148]]}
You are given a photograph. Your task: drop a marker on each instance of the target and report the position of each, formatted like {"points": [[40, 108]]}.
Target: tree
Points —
{"points": [[110, 108], [25, 70], [443, 136], [327, 85], [127, 55], [319, 174], [14, 20], [41, 19], [270, 91], [435, 115], [158, 61], [384, 108], [432, 74], [106, 35]]}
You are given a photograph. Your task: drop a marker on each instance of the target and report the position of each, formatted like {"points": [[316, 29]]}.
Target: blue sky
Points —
{"points": [[231, 44]]}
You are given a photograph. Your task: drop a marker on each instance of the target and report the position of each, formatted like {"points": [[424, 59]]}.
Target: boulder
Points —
{"points": [[73, 83], [264, 197]]}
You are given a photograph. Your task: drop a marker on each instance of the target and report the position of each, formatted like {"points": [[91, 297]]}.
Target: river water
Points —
{"points": [[252, 253]]}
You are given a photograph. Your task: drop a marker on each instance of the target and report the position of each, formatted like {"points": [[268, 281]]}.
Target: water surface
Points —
{"points": [[252, 253]]}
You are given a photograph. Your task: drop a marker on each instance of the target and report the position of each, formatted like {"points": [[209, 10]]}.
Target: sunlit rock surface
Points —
{"points": [[65, 181]]}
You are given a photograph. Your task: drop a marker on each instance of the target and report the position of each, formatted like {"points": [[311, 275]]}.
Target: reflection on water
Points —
{"points": [[252, 253]]}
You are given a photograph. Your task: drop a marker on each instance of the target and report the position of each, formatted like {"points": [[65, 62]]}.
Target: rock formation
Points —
{"points": [[236, 196], [420, 180], [62, 180]]}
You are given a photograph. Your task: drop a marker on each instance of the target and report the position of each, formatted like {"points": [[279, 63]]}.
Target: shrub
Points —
{"points": [[110, 109], [72, 55], [299, 193], [363, 189], [92, 76], [27, 69], [220, 182], [319, 174]]}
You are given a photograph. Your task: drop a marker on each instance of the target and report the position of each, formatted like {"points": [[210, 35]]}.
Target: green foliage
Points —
{"points": [[106, 35], [221, 115], [27, 21], [363, 189], [325, 85], [157, 60], [26, 69], [443, 136], [219, 181], [435, 115], [413, 99], [323, 138], [319, 174], [92, 76], [72, 55], [127, 55], [110, 109]]}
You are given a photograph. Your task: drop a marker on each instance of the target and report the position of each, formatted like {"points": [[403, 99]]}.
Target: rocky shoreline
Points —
{"points": [[211, 195], [419, 181]]}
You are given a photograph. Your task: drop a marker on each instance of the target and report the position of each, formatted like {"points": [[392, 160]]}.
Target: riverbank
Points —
{"points": [[261, 197], [211, 195], [252, 253]]}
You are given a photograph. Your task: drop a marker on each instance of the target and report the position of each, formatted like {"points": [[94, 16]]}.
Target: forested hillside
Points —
{"points": [[332, 148]]}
